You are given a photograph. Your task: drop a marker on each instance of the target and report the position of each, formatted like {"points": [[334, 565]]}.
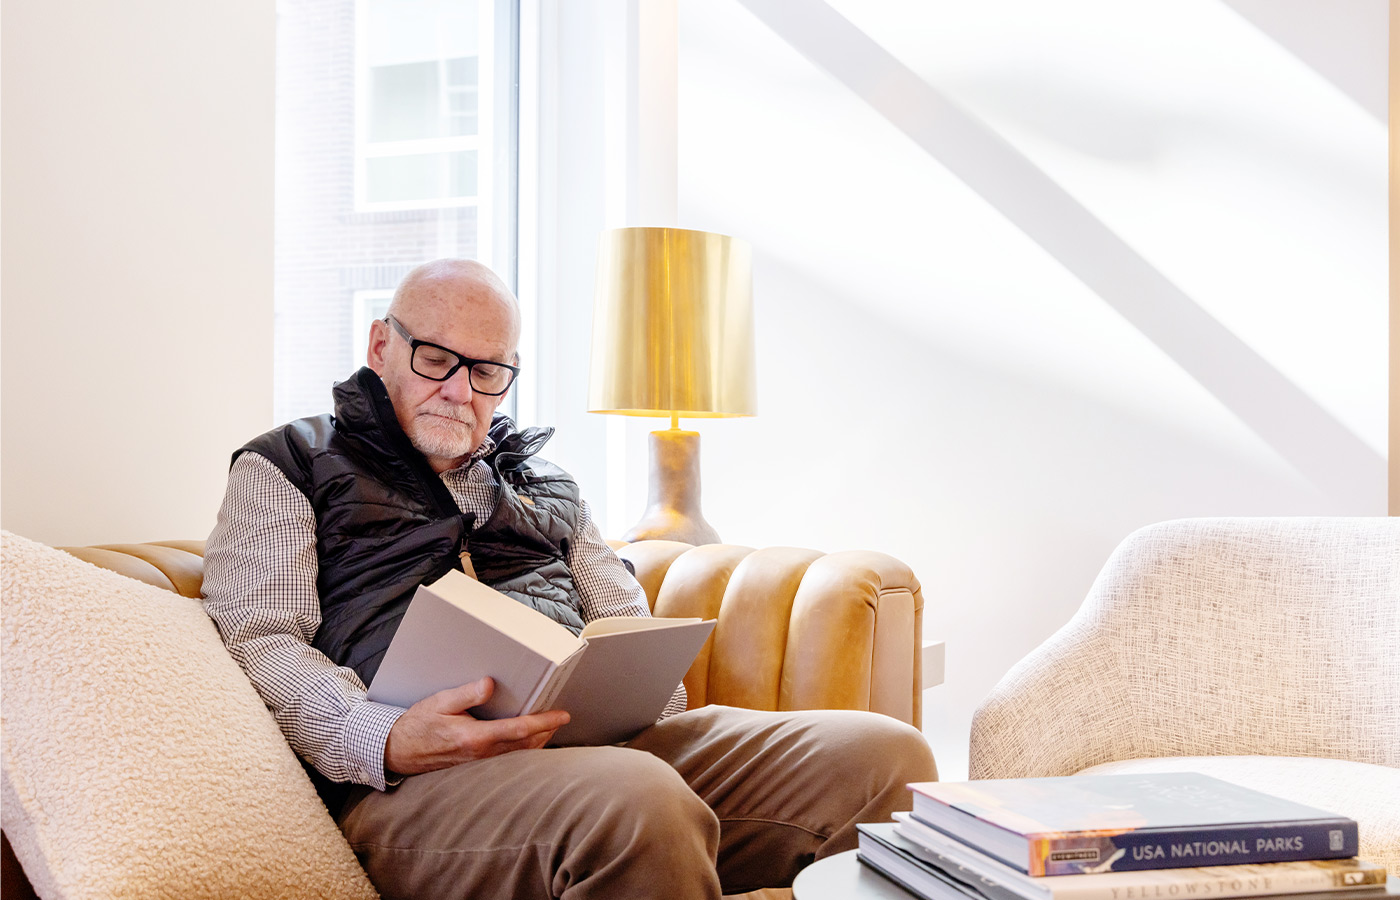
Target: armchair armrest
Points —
{"points": [[1054, 713], [1213, 637], [797, 629]]}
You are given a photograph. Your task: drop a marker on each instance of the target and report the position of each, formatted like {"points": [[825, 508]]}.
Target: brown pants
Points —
{"points": [[712, 799]]}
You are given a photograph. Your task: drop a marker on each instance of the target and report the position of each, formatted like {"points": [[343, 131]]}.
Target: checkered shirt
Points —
{"points": [[260, 590]]}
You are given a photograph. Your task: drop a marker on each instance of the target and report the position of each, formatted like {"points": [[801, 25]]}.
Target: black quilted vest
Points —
{"points": [[385, 522]]}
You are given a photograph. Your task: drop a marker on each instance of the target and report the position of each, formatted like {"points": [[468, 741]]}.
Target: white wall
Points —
{"points": [[1019, 419], [137, 261], [1136, 272]]}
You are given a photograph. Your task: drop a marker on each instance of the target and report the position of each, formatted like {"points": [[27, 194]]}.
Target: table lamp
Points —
{"points": [[673, 337]]}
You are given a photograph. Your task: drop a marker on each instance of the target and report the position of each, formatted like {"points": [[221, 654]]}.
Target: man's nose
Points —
{"points": [[458, 388]]}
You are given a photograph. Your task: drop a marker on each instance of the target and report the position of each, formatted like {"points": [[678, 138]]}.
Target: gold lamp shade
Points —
{"points": [[673, 325], [673, 336]]}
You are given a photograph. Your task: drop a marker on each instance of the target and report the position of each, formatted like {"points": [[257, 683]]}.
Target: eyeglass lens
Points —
{"points": [[431, 362]]}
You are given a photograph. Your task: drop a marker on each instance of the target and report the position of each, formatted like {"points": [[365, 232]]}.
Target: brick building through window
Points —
{"points": [[390, 151]]}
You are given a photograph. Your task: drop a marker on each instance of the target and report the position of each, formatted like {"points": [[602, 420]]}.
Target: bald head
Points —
{"points": [[455, 292]]}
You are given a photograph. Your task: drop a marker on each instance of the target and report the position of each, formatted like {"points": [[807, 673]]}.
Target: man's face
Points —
{"points": [[445, 420]]}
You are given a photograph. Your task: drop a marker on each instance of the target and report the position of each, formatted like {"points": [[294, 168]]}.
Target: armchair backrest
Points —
{"points": [[1201, 637], [797, 629]]}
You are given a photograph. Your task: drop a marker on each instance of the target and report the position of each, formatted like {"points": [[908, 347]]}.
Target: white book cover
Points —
{"points": [[614, 680]]}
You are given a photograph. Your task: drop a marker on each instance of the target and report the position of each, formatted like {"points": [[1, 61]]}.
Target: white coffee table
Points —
{"points": [[844, 877]]}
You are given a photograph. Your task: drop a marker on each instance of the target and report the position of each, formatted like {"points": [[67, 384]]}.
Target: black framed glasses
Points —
{"points": [[437, 363]]}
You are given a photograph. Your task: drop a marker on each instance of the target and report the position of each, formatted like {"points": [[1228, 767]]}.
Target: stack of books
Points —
{"points": [[1176, 836]]}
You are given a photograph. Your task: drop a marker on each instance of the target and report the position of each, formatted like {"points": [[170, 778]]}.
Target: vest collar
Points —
{"points": [[365, 415], [514, 447]]}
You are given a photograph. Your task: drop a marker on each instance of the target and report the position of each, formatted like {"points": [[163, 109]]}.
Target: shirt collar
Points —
{"points": [[480, 453]]}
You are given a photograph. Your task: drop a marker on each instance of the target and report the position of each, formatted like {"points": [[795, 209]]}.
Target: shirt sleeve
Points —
{"points": [[260, 572], [605, 586]]}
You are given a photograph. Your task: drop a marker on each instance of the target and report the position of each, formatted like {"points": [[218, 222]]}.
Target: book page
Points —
{"points": [[625, 678], [615, 624]]}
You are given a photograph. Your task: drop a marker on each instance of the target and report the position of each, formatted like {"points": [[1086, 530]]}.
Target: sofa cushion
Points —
{"points": [[137, 759], [1368, 793]]}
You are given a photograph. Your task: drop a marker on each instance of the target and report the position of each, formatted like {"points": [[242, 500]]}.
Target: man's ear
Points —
{"points": [[378, 345]]}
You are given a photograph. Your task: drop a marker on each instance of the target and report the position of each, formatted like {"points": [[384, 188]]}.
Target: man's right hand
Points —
{"points": [[437, 731]]}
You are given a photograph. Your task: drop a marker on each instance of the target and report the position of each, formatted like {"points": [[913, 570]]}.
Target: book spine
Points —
{"points": [[1007, 885], [1224, 887], [549, 688], [1182, 847], [888, 872]]}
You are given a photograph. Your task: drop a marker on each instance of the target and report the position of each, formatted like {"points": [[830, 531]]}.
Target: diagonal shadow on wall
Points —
{"points": [[1341, 44], [1320, 447]]}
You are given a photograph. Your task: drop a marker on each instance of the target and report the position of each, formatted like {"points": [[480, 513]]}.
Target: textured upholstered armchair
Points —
{"points": [[1262, 651], [796, 629]]}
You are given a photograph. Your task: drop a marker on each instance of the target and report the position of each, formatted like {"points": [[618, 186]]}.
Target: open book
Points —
{"points": [[614, 681]]}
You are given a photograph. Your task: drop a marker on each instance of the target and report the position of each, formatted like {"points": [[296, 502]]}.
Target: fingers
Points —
{"points": [[457, 700], [523, 728], [494, 737], [536, 739], [462, 698], [439, 731]]}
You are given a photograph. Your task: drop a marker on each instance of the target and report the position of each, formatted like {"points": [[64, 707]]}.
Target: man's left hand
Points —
{"points": [[437, 731]]}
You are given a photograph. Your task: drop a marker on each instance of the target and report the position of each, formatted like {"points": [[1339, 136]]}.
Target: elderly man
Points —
{"points": [[328, 526]]}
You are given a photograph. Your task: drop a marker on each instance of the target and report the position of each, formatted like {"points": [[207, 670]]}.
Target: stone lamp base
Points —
{"points": [[673, 492]]}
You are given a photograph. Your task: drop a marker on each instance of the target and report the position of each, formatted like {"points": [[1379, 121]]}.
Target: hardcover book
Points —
{"points": [[614, 680], [998, 881], [885, 852], [1108, 823]]}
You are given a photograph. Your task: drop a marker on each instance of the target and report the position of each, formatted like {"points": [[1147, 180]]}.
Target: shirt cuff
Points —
{"points": [[367, 733], [676, 704]]}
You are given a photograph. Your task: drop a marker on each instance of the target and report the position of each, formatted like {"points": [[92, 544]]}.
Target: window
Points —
{"points": [[418, 101], [396, 132]]}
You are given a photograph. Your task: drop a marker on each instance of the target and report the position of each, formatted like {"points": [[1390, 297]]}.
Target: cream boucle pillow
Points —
{"points": [[137, 759]]}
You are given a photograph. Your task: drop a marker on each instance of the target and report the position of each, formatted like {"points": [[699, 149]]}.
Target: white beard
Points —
{"points": [[438, 437]]}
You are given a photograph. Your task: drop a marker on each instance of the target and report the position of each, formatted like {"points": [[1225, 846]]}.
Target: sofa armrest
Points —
{"points": [[797, 629], [174, 565]]}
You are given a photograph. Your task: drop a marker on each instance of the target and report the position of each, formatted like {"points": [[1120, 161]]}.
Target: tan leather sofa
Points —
{"points": [[797, 629]]}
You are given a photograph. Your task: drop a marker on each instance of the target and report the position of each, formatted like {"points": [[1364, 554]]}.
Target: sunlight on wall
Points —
{"points": [[1017, 424], [1228, 162]]}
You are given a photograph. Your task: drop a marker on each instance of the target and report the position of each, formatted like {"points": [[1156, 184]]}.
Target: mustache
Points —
{"points": [[448, 411]]}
